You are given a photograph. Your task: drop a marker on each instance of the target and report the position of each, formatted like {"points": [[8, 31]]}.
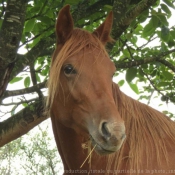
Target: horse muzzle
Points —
{"points": [[109, 137]]}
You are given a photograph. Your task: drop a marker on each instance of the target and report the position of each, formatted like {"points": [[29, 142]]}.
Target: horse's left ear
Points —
{"points": [[64, 25], [104, 30]]}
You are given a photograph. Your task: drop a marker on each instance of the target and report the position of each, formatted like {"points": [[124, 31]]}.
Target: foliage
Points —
{"points": [[34, 153], [149, 39]]}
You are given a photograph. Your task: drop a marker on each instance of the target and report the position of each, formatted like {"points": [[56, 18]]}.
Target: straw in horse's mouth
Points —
{"points": [[95, 145], [99, 147], [89, 156]]}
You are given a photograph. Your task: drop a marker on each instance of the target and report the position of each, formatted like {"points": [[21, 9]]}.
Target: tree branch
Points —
{"points": [[22, 122], [34, 80], [20, 102], [159, 58], [166, 63], [84, 10], [24, 91], [119, 9], [42, 47], [129, 64], [120, 26]]}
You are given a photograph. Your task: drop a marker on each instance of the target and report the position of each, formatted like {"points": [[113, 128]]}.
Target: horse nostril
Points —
{"points": [[105, 130]]}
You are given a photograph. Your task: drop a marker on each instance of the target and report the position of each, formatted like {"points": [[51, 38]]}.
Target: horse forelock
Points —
{"points": [[78, 40], [143, 124]]}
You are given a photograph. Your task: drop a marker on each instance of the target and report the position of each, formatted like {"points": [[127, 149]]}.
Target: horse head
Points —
{"points": [[81, 86]]}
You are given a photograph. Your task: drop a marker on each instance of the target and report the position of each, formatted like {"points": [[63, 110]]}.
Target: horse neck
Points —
{"points": [[147, 130], [69, 145]]}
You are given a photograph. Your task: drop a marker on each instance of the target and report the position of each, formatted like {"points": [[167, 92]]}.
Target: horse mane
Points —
{"points": [[78, 41], [144, 125]]}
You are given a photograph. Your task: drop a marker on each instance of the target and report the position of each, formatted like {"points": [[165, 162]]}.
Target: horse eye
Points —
{"points": [[69, 69]]}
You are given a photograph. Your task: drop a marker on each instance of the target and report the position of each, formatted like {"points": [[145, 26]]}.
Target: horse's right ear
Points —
{"points": [[104, 30], [64, 25]]}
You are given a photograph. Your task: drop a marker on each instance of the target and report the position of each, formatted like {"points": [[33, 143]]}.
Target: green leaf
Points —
{"points": [[162, 19], [165, 33], [168, 75], [50, 13], [171, 42], [169, 3], [27, 82], [13, 109], [16, 79], [108, 6], [133, 40], [134, 88], [138, 29], [31, 107], [156, 4], [154, 72], [172, 32], [148, 30], [45, 71], [29, 25], [131, 74], [143, 16], [35, 41], [126, 53], [129, 35], [41, 60], [25, 104], [155, 21], [166, 10], [38, 78], [163, 47], [45, 19], [163, 84], [121, 83]]}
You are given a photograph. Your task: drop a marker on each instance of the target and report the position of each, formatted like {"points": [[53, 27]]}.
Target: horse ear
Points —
{"points": [[64, 25], [104, 30]]}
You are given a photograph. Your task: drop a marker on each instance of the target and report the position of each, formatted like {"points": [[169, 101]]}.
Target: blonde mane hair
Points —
{"points": [[146, 129], [78, 40]]}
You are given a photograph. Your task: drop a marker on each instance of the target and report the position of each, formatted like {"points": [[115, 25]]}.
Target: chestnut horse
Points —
{"points": [[89, 112]]}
